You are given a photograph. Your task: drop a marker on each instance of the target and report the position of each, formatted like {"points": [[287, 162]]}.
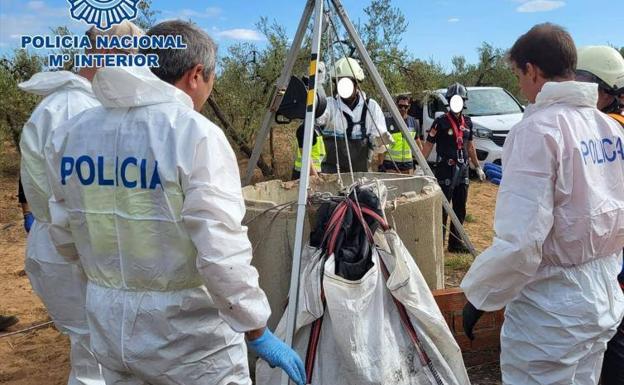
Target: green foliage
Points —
{"points": [[147, 15], [470, 218], [247, 73], [15, 105], [382, 35], [491, 70], [461, 262], [423, 75], [63, 31], [247, 76]]}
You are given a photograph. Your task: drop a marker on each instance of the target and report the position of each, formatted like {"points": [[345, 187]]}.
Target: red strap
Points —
{"points": [[411, 332], [377, 217], [459, 134]]}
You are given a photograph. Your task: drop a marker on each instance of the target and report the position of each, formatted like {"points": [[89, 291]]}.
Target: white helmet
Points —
{"points": [[605, 63], [348, 67]]}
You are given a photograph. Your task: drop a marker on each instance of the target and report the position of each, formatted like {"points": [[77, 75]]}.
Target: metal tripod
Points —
{"points": [[315, 8]]}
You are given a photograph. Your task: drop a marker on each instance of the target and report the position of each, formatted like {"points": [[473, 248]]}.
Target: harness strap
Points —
{"points": [[409, 328], [458, 131], [362, 122]]}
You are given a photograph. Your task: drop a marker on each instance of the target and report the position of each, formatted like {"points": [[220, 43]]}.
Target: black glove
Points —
{"points": [[381, 168], [471, 315]]}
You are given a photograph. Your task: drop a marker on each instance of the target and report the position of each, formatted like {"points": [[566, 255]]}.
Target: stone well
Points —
{"points": [[413, 208]]}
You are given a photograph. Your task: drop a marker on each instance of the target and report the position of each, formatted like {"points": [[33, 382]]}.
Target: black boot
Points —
{"points": [[458, 247], [7, 321]]}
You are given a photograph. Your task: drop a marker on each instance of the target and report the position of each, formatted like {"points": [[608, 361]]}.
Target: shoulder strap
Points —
{"points": [[362, 122], [459, 134], [350, 124]]}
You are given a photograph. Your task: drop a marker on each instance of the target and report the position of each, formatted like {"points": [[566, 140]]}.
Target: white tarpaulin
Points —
{"points": [[362, 338]]}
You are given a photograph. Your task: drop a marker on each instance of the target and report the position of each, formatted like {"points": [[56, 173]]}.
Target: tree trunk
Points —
{"points": [[235, 136]]}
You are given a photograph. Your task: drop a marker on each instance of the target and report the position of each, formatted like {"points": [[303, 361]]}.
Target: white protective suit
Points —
{"points": [[335, 125], [60, 284], [334, 120], [147, 192], [559, 234]]}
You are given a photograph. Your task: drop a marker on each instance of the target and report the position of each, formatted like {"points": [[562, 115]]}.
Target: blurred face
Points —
{"points": [[403, 106], [604, 99], [530, 80], [346, 88]]}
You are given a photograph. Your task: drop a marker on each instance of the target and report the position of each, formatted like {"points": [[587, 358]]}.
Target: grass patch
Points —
{"points": [[458, 261], [470, 218]]}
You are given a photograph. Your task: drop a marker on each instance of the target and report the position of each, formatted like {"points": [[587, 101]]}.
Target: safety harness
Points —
{"points": [[362, 122], [459, 135], [358, 148]]}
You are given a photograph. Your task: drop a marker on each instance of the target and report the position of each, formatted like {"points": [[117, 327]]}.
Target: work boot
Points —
{"points": [[7, 321]]}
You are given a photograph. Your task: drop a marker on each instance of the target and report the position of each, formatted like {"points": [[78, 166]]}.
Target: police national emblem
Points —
{"points": [[103, 13]]}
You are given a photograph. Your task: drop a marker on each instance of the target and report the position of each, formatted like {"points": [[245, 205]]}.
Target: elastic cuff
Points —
{"points": [[260, 340]]}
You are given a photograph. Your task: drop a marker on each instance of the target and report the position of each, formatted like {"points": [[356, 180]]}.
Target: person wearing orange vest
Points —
{"points": [[604, 66]]}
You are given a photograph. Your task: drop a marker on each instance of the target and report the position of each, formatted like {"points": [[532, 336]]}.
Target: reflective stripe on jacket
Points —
{"points": [[317, 155]]}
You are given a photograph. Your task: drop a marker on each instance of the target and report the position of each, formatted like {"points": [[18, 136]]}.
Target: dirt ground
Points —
{"points": [[40, 357]]}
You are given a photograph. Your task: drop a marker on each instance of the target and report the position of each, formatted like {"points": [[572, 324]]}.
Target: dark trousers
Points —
{"points": [[457, 197], [453, 179], [613, 365]]}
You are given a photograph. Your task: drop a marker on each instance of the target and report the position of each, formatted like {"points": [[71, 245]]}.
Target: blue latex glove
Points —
{"points": [[276, 353], [29, 219]]}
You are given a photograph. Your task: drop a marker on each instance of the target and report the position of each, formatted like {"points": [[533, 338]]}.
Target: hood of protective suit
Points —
{"points": [[125, 87], [578, 94], [46, 83]]}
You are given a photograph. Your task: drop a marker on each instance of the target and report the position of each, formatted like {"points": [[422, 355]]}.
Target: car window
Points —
{"points": [[491, 102], [435, 105]]}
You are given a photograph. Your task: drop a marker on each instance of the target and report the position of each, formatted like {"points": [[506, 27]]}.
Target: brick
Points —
{"points": [[486, 346]]}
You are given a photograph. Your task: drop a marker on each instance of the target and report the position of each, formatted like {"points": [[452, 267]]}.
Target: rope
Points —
{"points": [[38, 326], [331, 85], [344, 53], [280, 207], [331, 92]]}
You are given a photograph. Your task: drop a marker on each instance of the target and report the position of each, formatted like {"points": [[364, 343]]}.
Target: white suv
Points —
{"points": [[493, 111]]}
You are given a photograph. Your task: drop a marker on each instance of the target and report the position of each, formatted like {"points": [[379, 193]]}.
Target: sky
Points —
{"points": [[437, 29]]}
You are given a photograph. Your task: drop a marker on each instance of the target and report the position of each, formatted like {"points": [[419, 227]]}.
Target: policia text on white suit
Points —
{"points": [[60, 284], [555, 243], [147, 195]]}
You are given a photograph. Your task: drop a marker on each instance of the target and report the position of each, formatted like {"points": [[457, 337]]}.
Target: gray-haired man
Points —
{"points": [[147, 192]]}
